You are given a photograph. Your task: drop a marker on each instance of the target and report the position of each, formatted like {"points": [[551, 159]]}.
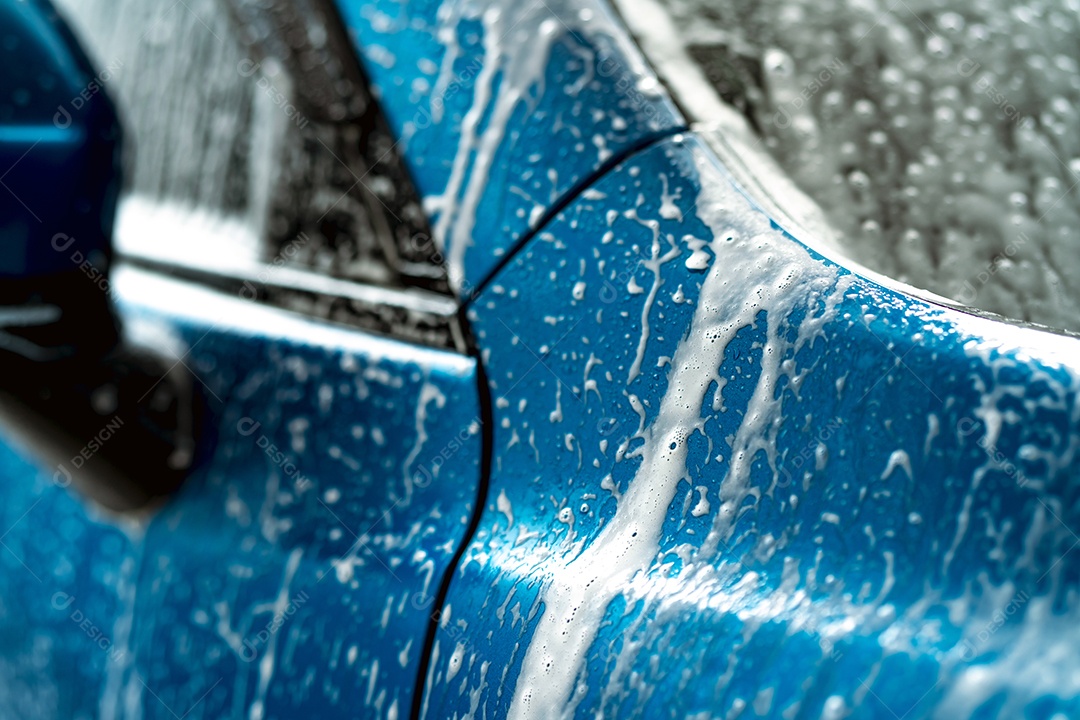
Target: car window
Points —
{"points": [[935, 138], [253, 138]]}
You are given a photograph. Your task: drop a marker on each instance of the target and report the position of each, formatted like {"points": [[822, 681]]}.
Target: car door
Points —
{"points": [[730, 476], [723, 474], [755, 481], [333, 409]]}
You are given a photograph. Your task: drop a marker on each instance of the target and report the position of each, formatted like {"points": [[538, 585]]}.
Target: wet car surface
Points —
{"points": [[649, 450]]}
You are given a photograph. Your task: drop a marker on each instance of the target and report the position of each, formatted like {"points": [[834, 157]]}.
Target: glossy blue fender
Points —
{"points": [[727, 476], [731, 477]]}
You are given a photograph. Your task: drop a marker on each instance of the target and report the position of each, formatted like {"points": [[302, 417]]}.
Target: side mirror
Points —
{"points": [[108, 418]]}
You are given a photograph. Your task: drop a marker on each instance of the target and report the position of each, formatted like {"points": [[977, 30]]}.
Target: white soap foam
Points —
{"points": [[751, 273]]}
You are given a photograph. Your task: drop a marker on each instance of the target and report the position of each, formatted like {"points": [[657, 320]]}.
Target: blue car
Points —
{"points": [[439, 360]]}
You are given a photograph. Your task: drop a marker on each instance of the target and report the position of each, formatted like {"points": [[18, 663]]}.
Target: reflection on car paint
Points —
{"points": [[730, 475], [295, 572], [503, 108]]}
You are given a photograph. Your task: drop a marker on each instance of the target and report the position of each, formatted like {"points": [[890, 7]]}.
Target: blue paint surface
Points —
{"points": [[840, 586], [59, 147], [60, 567], [892, 539], [503, 108], [294, 571]]}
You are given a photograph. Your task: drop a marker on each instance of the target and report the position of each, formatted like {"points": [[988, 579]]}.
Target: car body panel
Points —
{"points": [[727, 475], [294, 570], [60, 566], [503, 109], [59, 147], [731, 476]]}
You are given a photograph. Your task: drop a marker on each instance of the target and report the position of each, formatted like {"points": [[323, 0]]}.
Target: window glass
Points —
{"points": [[252, 136], [940, 138]]}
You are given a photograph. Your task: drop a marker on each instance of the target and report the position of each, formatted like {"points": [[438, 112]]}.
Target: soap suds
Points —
{"points": [[748, 275]]}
